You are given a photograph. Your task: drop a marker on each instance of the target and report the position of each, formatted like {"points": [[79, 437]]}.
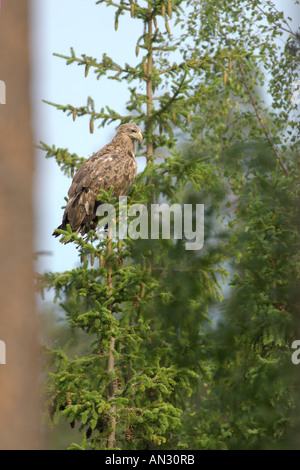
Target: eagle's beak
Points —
{"points": [[139, 137]]}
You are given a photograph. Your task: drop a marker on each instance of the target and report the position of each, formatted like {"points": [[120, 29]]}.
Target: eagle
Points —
{"points": [[113, 165]]}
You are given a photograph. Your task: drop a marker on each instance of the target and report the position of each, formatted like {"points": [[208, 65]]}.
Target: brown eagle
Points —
{"points": [[113, 165]]}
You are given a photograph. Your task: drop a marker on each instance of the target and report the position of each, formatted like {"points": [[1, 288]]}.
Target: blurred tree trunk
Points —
{"points": [[19, 394]]}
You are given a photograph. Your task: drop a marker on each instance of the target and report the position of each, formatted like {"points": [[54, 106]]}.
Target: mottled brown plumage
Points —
{"points": [[113, 165]]}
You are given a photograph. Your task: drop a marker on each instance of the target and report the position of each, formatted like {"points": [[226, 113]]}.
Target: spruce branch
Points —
{"points": [[101, 68], [168, 104], [109, 116], [263, 125], [197, 63], [288, 29], [258, 115]]}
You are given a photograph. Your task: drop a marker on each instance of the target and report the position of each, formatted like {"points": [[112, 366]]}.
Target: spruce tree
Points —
{"points": [[156, 374]]}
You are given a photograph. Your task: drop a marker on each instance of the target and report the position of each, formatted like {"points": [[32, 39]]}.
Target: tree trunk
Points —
{"points": [[19, 376]]}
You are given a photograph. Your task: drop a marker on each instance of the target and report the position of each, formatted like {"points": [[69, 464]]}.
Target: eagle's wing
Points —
{"points": [[94, 173]]}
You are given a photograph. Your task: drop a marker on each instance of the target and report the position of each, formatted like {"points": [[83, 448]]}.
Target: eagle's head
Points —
{"points": [[130, 130]]}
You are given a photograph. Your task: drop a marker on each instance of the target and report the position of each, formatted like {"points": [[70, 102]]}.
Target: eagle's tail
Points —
{"points": [[61, 227]]}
